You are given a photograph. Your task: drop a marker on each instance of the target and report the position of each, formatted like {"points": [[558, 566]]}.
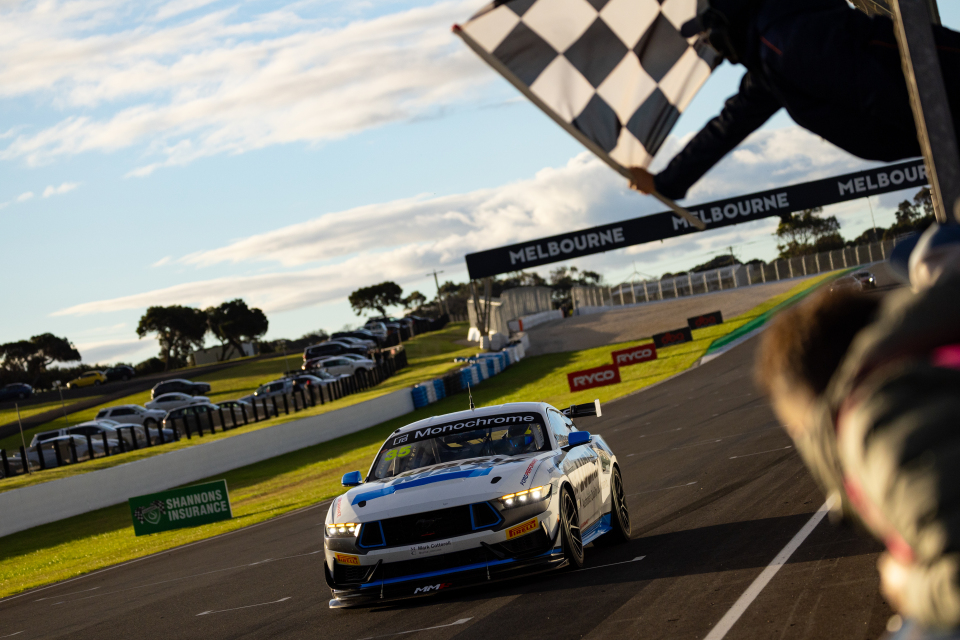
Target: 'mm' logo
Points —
{"points": [[432, 587]]}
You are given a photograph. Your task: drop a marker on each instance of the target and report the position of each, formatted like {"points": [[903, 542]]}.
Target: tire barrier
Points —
{"points": [[479, 368]]}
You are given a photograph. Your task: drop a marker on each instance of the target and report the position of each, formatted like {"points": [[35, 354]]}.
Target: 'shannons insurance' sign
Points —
{"points": [[177, 508]]}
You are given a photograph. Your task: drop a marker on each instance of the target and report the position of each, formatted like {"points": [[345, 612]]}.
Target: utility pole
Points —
{"points": [[874, 220], [443, 306]]}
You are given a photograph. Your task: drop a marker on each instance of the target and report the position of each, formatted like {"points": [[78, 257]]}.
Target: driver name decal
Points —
{"points": [[430, 548]]}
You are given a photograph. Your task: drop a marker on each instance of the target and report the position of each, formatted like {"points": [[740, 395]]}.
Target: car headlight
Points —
{"points": [[523, 498], [343, 530]]}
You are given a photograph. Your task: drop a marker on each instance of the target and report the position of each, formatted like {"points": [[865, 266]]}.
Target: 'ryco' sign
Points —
{"points": [[706, 320], [186, 507], [590, 378], [720, 213], [670, 338], [634, 355]]}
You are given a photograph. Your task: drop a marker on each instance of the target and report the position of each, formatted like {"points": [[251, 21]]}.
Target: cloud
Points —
{"points": [[116, 350], [223, 82], [63, 188], [23, 197], [162, 261], [323, 259]]}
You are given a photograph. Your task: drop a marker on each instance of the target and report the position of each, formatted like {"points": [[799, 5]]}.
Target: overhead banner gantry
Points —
{"points": [[720, 213]]}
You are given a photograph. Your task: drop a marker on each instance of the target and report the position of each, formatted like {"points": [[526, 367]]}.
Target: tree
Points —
{"points": [[233, 323], [376, 298], [32, 357], [801, 232], [179, 329], [414, 301], [563, 279]]}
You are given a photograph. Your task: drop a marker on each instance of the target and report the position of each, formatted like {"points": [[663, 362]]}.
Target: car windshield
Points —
{"points": [[497, 435]]}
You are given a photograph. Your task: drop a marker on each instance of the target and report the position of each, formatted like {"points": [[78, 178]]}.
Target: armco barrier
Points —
{"points": [[58, 499]]}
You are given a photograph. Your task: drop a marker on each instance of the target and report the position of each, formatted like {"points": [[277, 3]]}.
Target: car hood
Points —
{"points": [[440, 486]]}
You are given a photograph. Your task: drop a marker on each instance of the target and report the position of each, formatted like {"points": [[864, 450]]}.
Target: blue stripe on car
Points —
{"points": [[419, 482]]}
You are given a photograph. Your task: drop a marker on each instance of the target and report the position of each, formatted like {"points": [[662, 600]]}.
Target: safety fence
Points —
{"points": [[587, 299], [479, 368], [195, 421]]}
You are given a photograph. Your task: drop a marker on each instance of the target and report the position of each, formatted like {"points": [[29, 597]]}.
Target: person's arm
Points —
{"points": [[742, 114]]}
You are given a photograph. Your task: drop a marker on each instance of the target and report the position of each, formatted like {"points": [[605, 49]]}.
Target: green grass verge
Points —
{"points": [[261, 491], [428, 357]]}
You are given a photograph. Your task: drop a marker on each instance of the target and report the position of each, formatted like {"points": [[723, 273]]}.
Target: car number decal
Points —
{"points": [[346, 558], [522, 529]]}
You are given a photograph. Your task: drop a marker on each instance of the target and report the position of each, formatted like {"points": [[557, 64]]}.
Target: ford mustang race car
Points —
{"points": [[477, 495]]}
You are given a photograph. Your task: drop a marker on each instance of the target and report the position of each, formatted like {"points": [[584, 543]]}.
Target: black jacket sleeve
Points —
{"points": [[742, 114]]}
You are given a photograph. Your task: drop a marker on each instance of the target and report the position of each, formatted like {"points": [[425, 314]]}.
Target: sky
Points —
{"points": [[157, 152]]}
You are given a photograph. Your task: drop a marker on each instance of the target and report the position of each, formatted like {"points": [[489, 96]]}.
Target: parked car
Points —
{"points": [[133, 414], [197, 416], [377, 328], [63, 443], [360, 342], [362, 334], [345, 366], [119, 372], [332, 348], [179, 385], [95, 430], [318, 378], [274, 389], [237, 408], [867, 279], [15, 391], [169, 401], [88, 379]]}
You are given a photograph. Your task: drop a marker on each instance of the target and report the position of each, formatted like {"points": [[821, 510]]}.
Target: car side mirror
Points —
{"points": [[577, 438], [351, 479]]}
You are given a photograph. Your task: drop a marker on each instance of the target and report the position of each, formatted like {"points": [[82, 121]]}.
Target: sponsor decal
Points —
{"points": [[187, 507], [635, 355], [706, 320], [430, 548], [432, 587], [523, 529], [670, 338], [338, 505], [719, 213], [465, 425], [526, 474], [346, 558], [590, 378]]}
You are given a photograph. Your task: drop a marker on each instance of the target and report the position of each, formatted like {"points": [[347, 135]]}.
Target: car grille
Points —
{"points": [[436, 563], [437, 525]]}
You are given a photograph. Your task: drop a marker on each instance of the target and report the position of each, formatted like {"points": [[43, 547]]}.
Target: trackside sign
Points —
{"points": [[590, 378], [706, 320], [177, 508], [635, 355], [670, 338], [720, 213]]}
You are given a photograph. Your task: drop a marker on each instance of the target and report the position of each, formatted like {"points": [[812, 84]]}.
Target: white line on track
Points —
{"points": [[730, 618], [676, 486], [747, 455], [160, 553], [65, 595], [195, 575], [439, 626], [249, 606], [612, 564], [12, 634]]}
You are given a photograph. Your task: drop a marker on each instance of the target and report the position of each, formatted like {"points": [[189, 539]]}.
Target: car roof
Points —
{"points": [[481, 412]]}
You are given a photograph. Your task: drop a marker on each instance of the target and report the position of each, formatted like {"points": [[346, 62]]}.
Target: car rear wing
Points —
{"points": [[582, 410]]}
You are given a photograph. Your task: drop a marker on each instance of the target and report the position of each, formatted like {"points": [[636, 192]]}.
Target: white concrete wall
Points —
{"points": [[51, 501]]}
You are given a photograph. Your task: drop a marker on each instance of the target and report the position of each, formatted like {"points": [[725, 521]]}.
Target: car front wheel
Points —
{"points": [[571, 540]]}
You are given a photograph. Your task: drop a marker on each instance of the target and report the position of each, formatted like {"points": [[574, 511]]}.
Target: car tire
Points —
{"points": [[149, 423], [22, 396], [570, 537], [125, 377], [96, 383], [619, 514]]}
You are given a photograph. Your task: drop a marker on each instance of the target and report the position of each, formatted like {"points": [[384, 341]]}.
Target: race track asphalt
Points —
{"points": [[715, 493]]}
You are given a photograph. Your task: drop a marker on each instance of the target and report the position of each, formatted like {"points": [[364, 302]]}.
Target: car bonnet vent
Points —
{"points": [[483, 515], [371, 535]]}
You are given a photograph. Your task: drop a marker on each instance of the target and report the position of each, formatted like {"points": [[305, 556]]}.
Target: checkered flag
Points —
{"points": [[616, 74]]}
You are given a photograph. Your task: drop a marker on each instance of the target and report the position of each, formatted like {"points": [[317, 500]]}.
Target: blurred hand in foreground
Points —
{"points": [[642, 180]]}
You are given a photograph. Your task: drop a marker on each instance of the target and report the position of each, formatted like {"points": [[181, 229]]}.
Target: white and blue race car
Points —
{"points": [[477, 495]]}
